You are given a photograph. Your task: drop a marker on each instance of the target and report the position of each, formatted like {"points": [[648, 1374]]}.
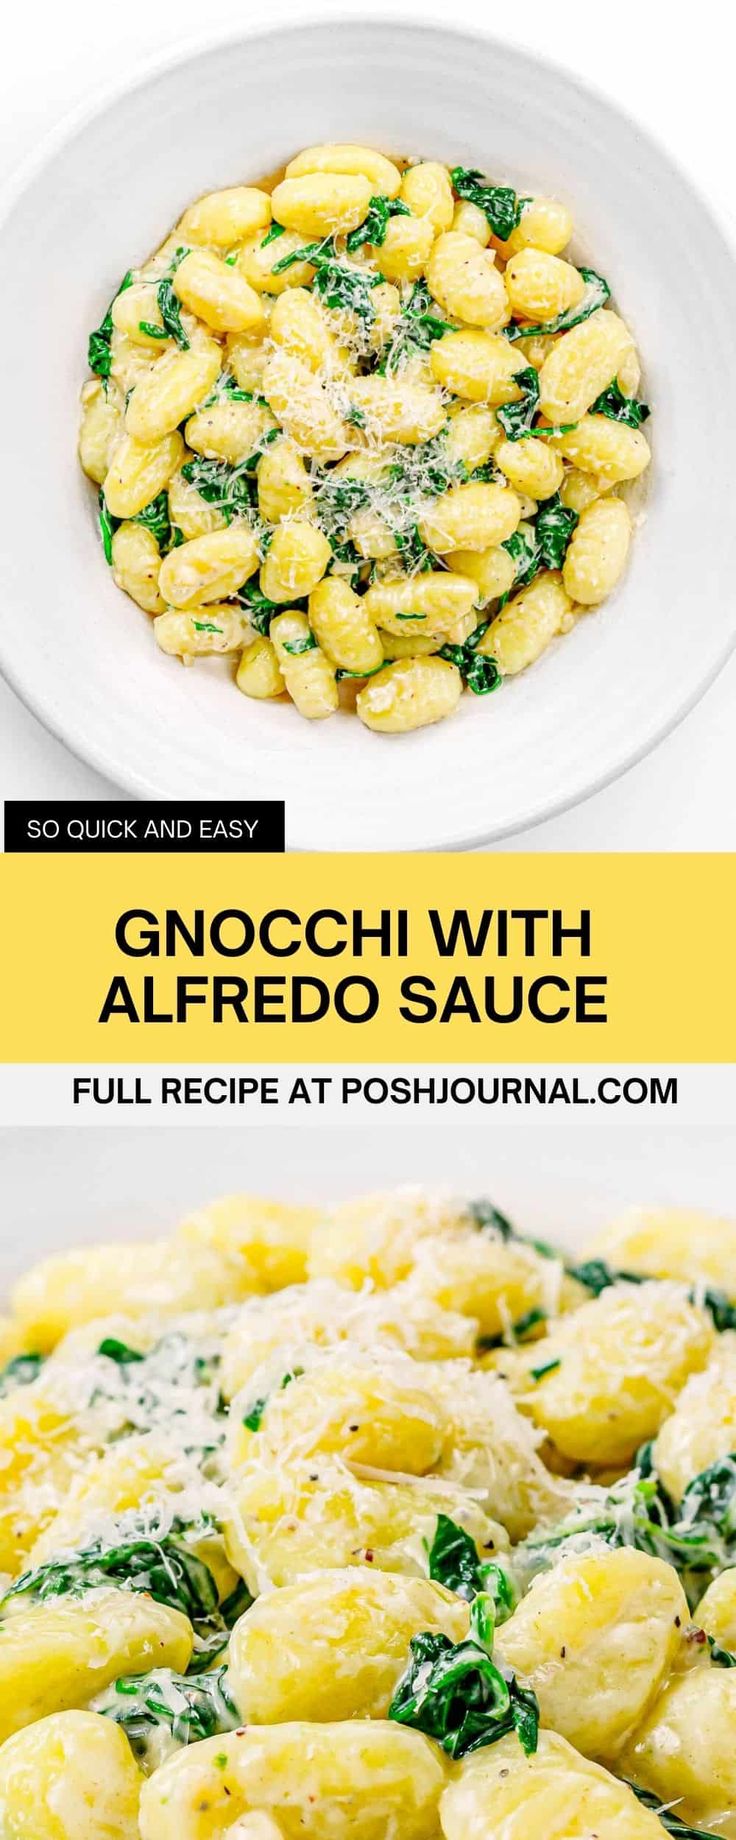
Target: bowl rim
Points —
{"points": [[91, 107]]}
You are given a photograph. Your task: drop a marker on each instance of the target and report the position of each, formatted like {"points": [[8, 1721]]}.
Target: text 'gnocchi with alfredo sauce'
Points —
{"points": [[366, 429]]}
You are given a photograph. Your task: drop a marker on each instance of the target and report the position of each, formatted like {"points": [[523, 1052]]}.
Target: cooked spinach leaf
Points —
{"points": [[456, 1694], [698, 1537], [336, 283], [597, 1275], [554, 525], [499, 203], [228, 389], [346, 289], [375, 223], [212, 1634], [479, 673], [524, 552], [490, 1220], [253, 1416], [169, 306], [516, 418], [190, 1709], [155, 517], [453, 1559], [669, 1819], [154, 332], [167, 1568], [260, 611], [232, 489], [516, 1332], [719, 1306], [417, 559], [720, 1657], [499, 1587], [99, 353], [21, 1370], [546, 546], [307, 252], [108, 526], [620, 408], [271, 235], [597, 292], [547, 1367], [416, 328], [305, 643], [119, 1351]]}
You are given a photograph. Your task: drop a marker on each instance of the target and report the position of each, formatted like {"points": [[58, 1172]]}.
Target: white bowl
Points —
{"points": [[109, 188]]}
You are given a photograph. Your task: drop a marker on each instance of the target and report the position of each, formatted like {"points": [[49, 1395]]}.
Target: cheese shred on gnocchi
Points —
{"points": [[366, 429], [387, 1521]]}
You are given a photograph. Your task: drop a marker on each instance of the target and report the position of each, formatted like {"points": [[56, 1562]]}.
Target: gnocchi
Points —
{"points": [[379, 1521], [332, 402]]}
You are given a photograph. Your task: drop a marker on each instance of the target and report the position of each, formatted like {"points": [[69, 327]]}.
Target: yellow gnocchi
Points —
{"points": [[376, 1520], [367, 368], [334, 1645], [500, 1794], [361, 1779], [71, 1776]]}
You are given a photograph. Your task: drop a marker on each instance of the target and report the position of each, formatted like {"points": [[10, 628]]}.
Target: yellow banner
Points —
{"points": [[463, 958]]}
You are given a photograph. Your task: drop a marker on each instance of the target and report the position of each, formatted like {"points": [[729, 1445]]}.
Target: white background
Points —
{"points": [[558, 1171], [676, 77]]}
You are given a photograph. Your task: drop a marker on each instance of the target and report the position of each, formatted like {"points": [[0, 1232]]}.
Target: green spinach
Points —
{"points": [[417, 327], [167, 1568], [417, 559], [305, 643], [271, 235], [516, 418], [108, 526], [375, 223], [453, 1559], [259, 609], [456, 1694], [547, 1367], [252, 1418], [346, 289], [499, 203], [479, 673], [155, 517], [670, 1820], [597, 292], [698, 1537], [21, 1370], [169, 305], [190, 1709], [99, 352], [554, 526], [620, 408], [597, 1275], [232, 489], [119, 1352]]}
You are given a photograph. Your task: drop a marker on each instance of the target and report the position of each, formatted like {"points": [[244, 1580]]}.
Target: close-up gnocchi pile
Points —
{"points": [[364, 427], [379, 1523]]}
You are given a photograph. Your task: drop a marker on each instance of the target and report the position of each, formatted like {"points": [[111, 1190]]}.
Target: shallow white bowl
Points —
{"points": [[108, 189]]}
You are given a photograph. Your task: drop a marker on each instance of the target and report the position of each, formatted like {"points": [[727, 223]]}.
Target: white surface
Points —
{"points": [[560, 1172], [680, 797]]}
